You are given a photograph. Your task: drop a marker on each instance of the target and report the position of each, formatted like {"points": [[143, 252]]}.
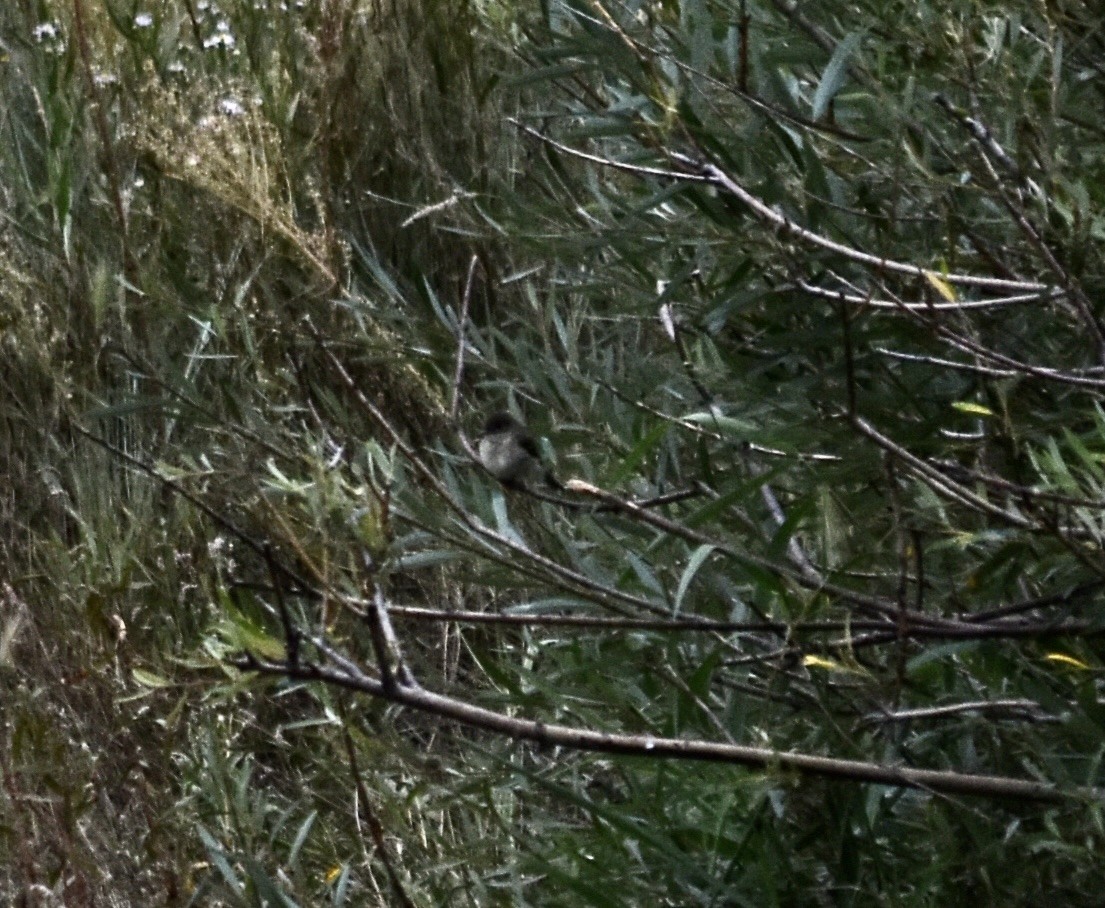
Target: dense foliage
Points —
{"points": [[805, 305]]}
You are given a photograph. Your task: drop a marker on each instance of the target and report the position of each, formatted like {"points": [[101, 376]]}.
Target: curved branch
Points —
{"points": [[719, 178], [762, 758]]}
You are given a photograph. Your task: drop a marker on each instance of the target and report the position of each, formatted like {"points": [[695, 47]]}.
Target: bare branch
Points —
{"points": [[654, 747]]}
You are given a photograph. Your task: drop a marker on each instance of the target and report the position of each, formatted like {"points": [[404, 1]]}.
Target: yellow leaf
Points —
{"points": [[827, 664], [965, 406], [1064, 659], [942, 287]]}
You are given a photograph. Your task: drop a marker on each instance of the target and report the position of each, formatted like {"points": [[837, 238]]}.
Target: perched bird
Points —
{"points": [[509, 453]]}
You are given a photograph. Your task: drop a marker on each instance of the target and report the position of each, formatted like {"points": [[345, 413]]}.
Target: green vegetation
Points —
{"points": [[809, 302]]}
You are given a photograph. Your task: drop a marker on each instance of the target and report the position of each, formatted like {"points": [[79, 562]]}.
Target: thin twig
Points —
{"points": [[875, 605], [1029, 709], [375, 827], [462, 334]]}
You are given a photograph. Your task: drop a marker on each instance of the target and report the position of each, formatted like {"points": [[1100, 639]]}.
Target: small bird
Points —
{"points": [[509, 453]]}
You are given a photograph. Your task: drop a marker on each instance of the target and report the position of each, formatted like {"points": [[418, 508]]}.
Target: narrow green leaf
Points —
{"points": [[832, 79], [150, 679], [217, 856], [696, 561], [639, 452], [301, 837]]}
